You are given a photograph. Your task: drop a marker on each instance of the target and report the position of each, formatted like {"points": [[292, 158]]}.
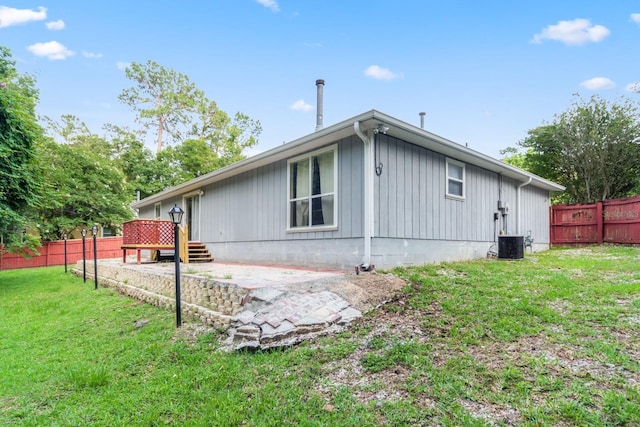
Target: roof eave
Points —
{"points": [[368, 120], [463, 153], [290, 149]]}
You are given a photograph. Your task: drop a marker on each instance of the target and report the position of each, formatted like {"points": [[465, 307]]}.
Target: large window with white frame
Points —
{"points": [[312, 181], [456, 185]]}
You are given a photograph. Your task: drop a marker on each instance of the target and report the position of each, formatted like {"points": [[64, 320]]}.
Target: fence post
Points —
{"points": [[551, 225], [600, 229]]}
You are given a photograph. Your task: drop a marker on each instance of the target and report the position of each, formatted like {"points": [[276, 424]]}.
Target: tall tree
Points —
{"points": [[163, 98], [19, 132], [592, 149], [170, 103], [227, 138]]}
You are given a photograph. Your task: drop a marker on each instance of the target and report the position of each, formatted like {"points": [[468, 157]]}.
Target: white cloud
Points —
{"points": [[122, 65], [598, 83], [300, 105], [380, 73], [55, 25], [633, 87], [10, 16], [271, 4], [91, 54], [52, 50], [579, 31], [635, 17]]}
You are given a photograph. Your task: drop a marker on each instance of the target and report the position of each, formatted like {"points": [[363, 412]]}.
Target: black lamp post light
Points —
{"points": [[94, 230], [64, 237], [176, 218], [84, 254]]}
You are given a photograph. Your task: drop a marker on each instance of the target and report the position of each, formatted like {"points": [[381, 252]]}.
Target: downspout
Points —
{"points": [[368, 192], [518, 204]]}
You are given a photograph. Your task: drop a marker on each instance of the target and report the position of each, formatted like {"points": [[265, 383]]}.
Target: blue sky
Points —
{"points": [[484, 72]]}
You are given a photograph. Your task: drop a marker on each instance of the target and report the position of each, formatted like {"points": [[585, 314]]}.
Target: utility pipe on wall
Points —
{"points": [[320, 104], [368, 191], [519, 204]]}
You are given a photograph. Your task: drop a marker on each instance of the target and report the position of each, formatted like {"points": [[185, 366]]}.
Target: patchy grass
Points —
{"points": [[550, 340], [553, 339]]}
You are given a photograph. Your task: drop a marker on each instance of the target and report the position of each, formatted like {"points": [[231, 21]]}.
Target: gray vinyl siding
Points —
{"points": [[148, 211], [244, 218], [535, 213], [411, 196], [410, 201], [252, 206], [166, 205]]}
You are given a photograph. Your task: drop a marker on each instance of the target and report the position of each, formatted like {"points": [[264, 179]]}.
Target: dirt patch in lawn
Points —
{"points": [[366, 291], [399, 323]]}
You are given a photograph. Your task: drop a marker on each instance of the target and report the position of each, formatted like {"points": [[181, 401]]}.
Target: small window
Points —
{"points": [[312, 191], [455, 179], [158, 210]]}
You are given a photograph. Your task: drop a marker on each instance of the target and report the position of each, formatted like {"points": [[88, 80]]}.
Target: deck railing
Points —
{"points": [[154, 234]]}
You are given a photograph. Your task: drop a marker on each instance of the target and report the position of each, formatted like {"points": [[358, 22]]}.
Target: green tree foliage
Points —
{"points": [[69, 128], [19, 132], [226, 137], [163, 98], [169, 103], [82, 187], [144, 171], [74, 177], [592, 149]]}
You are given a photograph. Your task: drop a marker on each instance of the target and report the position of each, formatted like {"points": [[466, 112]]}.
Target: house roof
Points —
{"points": [[368, 121]]}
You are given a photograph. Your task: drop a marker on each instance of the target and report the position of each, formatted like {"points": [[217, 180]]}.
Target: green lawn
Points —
{"points": [[550, 340]]}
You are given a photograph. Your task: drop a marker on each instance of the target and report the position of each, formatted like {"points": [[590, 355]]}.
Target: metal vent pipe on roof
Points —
{"points": [[320, 106], [422, 114]]}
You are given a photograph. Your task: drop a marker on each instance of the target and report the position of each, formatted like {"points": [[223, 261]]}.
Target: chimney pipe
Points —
{"points": [[422, 114], [319, 112]]}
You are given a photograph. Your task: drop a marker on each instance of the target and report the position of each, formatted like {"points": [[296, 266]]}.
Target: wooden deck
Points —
{"points": [[154, 235]]}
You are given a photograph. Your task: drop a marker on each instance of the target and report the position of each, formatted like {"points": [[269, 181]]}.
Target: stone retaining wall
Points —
{"points": [[212, 302]]}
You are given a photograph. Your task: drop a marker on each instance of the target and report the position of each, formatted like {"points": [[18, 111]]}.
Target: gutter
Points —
{"points": [[518, 204], [368, 192]]}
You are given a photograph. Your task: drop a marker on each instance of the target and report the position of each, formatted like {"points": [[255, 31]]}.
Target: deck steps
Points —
{"points": [[199, 253]]}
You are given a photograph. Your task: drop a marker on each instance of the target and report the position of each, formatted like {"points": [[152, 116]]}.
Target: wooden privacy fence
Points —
{"points": [[611, 221], [52, 253]]}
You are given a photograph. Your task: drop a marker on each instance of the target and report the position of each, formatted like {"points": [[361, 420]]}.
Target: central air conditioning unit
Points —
{"points": [[510, 247]]}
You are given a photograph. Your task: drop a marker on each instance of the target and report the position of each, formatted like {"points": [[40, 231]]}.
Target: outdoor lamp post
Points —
{"points": [[94, 230], [176, 218], [84, 255], [64, 237]]}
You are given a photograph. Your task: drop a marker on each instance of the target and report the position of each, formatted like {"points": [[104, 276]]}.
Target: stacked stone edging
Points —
{"points": [[263, 317], [213, 302]]}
